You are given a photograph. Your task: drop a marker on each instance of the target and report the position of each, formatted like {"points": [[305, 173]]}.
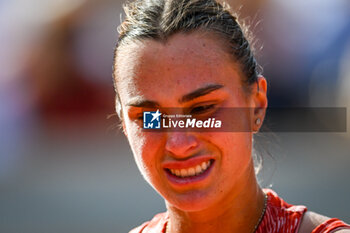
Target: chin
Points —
{"points": [[192, 201]]}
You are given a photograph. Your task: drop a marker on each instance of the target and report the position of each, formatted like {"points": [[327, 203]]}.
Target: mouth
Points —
{"points": [[192, 171], [198, 171]]}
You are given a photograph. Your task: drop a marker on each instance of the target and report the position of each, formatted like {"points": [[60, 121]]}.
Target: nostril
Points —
{"points": [[180, 144]]}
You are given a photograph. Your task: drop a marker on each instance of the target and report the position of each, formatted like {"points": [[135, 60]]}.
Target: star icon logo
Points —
{"points": [[155, 115], [151, 120]]}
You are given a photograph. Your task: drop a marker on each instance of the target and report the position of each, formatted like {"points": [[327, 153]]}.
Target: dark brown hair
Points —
{"points": [[160, 19]]}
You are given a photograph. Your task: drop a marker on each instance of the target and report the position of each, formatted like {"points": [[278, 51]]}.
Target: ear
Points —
{"points": [[118, 109], [259, 100], [124, 128]]}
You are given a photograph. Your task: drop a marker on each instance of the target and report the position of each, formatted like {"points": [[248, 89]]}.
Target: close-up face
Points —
{"points": [[191, 170]]}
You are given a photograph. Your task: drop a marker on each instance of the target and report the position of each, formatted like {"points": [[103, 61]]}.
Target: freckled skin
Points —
{"points": [[164, 73]]}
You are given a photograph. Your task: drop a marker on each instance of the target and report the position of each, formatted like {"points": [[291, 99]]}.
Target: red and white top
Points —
{"points": [[279, 217]]}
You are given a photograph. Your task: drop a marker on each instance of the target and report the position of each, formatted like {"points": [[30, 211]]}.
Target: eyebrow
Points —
{"points": [[200, 92], [143, 103], [186, 98]]}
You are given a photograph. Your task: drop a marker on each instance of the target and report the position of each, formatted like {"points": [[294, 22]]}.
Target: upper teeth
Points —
{"points": [[191, 171]]}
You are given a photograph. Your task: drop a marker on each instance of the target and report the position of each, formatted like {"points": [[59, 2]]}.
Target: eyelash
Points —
{"points": [[139, 117], [198, 110]]}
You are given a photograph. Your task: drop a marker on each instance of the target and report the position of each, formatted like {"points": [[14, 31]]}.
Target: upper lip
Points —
{"points": [[184, 164]]}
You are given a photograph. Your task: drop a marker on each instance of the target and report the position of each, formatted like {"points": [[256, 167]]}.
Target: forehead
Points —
{"points": [[151, 69]]}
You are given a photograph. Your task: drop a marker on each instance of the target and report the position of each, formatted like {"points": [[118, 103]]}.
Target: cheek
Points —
{"points": [[236, 151], [145, 147]]}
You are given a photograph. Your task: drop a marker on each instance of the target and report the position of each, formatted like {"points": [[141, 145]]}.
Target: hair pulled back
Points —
{"points": [[160, 19]]}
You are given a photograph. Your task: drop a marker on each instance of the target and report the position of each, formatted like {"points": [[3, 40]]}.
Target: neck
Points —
{"points": [[240, 211]]}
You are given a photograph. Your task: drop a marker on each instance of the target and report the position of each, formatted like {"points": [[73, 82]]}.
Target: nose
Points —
{"points": [[181, 144]]}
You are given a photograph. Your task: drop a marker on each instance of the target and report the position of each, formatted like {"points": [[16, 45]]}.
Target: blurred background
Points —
{"points": [[65, 167]]}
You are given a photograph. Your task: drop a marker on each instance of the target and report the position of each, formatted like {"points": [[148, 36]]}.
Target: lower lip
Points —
{"points": [[190, 179]]}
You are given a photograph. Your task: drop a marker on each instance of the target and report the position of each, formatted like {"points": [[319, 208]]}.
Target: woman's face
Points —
{"points": [[186, 72]]}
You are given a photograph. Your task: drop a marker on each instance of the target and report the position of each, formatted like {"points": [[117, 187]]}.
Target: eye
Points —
{"points": [[136, 117], [139, 117], [203, 109]]}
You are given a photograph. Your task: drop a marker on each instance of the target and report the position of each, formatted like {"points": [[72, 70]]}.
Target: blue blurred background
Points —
{"points": [[64, 167]]}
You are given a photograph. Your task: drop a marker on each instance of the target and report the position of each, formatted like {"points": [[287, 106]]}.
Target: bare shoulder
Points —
{"points": [[311, 220]]}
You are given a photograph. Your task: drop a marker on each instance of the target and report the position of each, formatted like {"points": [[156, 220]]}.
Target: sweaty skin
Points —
{"points": [[154, 75]]}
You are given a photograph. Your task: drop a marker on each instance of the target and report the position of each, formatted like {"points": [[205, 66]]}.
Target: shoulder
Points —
{"points": [[140, 228], [276, 202], [317, 223], [157, 224], [298, 218], [310, 221]]}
